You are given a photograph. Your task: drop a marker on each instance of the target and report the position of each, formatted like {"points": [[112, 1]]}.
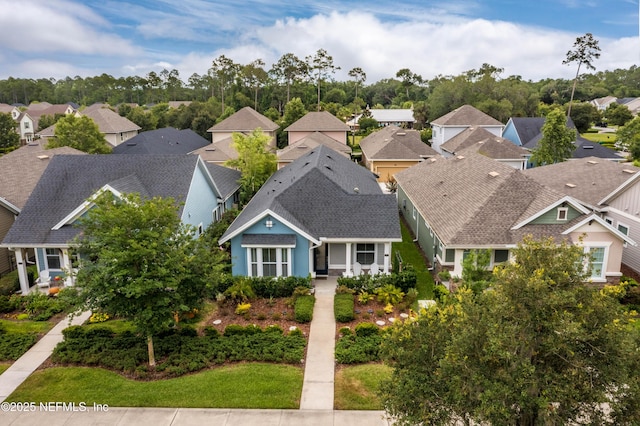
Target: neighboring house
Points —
{"points": [[387, 117], [319, 215], [458, 120], [392, 149], [178, 104], [116, 129], [305, 145], [20, 171], [527, 132], [10, 109], [318, 121], [243, 121], [218, 152], [486, 143], [610, 189], [163, 141], [602, 104], [474, 202], [26, 127], [38, 110], [633, 104], [48, 222]]}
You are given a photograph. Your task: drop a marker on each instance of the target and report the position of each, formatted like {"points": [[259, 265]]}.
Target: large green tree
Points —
{"points": [[9, 138], [585, 50], [538, 348], [628, 138], [139, 263], [556, 144], [322, 67], [81, 133], [617, 114], [256, 161]]}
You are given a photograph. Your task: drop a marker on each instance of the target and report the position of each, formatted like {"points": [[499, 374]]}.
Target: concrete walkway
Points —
{"points": [[316, 404], [34, 357], [317, 388]]}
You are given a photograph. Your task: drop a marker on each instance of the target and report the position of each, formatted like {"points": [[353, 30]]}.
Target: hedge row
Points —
{"points": [[359, 347], [304, 308], [264, 287], [369, 283], [178, 351], [343, 307], [14, 345]]}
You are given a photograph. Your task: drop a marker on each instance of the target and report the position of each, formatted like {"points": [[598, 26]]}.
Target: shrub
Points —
{"points": [[10, 283], [405, 280], [365, 329], [343, 307], [361, 347], [364, 297], [14, 345], [389, 294], [243, 308], [304, 308], [440, 292], [233, 330], [240, 290], [411, 297], [268, 287]]}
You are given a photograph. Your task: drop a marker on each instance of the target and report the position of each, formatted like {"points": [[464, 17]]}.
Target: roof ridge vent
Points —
{"points": [[628, 171], [459, 157], [592, 161], [43, 157], [494, 174], [570, 185]]}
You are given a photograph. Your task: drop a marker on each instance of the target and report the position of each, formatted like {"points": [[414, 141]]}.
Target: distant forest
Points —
{"points": [[228, 87]]}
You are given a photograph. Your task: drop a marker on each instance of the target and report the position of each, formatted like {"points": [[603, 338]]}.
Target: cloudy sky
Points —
{"points": [[530, 38]]}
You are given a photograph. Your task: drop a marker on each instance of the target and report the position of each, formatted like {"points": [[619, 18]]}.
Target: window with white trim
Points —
{"points": [[563, 213], [52, 257], [500, 256], [365, 253], [624, 229], [596, 261], [609, 221], [269, 262]]}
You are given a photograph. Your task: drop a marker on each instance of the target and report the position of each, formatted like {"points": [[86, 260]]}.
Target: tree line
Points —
{"points": [[234, 85]]}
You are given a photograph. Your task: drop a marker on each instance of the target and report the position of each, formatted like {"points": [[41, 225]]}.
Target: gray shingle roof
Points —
{"points": [[591, 179], [109, 121], [21, 169], [466, 115], [226, 179], [495, 147], [473, 200], [218, 151], [69, 180], [245, 120], [394, 143], [162, 141], [321, 121], [325, 194], [309, 143]]}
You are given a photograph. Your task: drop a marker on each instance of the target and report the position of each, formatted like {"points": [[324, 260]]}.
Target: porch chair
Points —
{"points": [[44, 280], [357, 269], [374, 269]]}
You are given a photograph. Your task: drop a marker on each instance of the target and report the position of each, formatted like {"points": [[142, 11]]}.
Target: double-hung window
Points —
{"points": [[365, 253], [269, 262], [52, 256]]}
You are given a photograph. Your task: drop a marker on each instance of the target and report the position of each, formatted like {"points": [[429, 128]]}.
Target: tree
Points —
{"points": [[585, 50], [81, 133], [138, 263], [359, 76], [540, 347], [584, 115], [321, 65], [255, 77], [556, 144], [409, 79], [255, 161], [294, 110], [224, 70], [617, 114], [289, 69], [628, 137], [9, 138]]}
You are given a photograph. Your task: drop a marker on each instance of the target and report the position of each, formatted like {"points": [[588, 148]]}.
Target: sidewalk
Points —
{"points": [[317, 387], [34, 357]]}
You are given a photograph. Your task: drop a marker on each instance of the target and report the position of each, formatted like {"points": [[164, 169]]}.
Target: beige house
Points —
{"points": [[391, 149], [318, 121], [290, 153], [21, 170], [243, 121], [458, 120]]}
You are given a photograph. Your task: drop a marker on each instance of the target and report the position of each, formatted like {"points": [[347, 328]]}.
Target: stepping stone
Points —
{"points": [[217, 322], [404, 316], [380, 322], [392, 320], [293, 327]]}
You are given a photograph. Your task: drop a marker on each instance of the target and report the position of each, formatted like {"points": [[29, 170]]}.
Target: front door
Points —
{"points": [[321, 260]]}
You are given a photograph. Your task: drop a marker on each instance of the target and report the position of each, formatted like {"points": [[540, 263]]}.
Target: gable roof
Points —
{"points": [[69, 180], [218, 151], [162, 141], [109, 121], [474, 201], [466, 138], [466, 115], [394, 143], [245, 120], [22, 168], [588, 180], [321, 121], [308, 144], [494, 147], [226, 180], [323, 195]]}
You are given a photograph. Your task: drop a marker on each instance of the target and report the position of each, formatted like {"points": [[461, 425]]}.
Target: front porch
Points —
{"points": [[337, 258], [55, 269]]}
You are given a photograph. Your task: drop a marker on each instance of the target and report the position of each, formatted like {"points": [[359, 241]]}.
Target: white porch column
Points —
{"points": [[348, 272], [387, 257], [66, 266], [22, 271]]}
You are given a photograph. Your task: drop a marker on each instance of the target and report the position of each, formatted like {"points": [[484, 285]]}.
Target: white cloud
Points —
{"points": [[57, 26]]}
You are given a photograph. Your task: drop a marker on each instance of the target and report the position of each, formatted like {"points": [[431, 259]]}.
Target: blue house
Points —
{"points": [[64, 193], [322, 214]]}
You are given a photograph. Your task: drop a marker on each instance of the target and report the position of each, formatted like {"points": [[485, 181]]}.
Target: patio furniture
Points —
{"points": [[44, 280]]}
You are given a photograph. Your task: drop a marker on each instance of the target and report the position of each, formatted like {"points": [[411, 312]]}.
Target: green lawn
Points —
{"points": [[115, 325], [26, 326], [356, 387], [600, 137], [3, 367], [252, 385], [411, 255]]}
